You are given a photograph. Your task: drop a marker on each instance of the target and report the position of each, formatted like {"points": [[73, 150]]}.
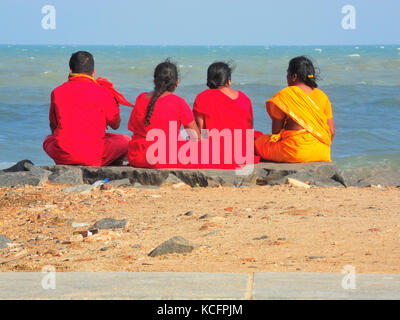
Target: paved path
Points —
{"points": [[179, 286]]}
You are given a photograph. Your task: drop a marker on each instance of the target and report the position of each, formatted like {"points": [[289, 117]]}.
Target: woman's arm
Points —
{"points": [[200, 121], [193, 132], [277, 125], [331, 125]]}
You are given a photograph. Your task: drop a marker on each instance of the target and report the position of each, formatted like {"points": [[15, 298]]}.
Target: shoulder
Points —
{"points": [[244, 96], [176, 99], [320, 94], [207, 93]]}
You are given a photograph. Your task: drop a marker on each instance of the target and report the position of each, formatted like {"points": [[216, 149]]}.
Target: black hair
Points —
{"points": [[165, 79], [305, 71], [82, 62], [218, 75]]}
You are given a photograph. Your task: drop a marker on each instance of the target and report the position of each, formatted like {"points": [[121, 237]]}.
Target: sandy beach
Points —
{"points": [[252, 229]]}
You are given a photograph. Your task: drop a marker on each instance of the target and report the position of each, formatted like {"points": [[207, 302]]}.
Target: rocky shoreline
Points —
{"points": [[321, 174]]}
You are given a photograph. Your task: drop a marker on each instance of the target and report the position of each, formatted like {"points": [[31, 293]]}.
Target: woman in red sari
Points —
{"points": [[225, 109]]}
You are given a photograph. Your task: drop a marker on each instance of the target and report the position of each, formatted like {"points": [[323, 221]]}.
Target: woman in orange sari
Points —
{"points": [[302, 121]]}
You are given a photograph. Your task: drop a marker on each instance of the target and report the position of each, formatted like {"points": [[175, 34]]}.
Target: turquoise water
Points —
{"points": [[363, 84]]}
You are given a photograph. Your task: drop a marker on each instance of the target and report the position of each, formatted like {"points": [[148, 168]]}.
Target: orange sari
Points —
{"points": [[309, 110]]}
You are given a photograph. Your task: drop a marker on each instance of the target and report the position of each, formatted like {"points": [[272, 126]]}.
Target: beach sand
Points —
{"points": [[308, 230]]}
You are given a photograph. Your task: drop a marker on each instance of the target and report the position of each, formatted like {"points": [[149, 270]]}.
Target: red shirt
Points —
{"points": [[79, 114], [167, 108], [222, 112]]}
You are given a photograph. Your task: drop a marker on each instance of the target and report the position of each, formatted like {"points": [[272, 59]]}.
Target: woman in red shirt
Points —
{"points": [[223, 108]]}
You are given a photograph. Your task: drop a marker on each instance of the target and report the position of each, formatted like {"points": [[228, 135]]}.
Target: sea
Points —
{"points": [[362, 82]]}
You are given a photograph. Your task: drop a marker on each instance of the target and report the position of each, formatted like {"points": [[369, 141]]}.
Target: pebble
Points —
{"points": [[176, 244], [261, 238], [104, 249], [212, 233], [136, 246], [205, 216], [79, 224], [316, 257], [110, 223], [3, 241], [189, 213]]}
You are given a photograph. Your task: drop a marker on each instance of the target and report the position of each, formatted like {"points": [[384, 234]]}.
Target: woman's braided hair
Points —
{"points": [[165, 79]]}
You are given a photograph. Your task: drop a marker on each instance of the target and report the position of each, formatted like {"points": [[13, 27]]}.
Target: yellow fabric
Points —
{"points": [[72, 75], [307, 145]]}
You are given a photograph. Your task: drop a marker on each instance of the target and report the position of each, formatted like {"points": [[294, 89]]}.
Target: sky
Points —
{"points": [[200, 22]]}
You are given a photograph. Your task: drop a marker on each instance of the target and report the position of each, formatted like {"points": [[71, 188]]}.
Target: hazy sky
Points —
{"points": [[201, 22]]}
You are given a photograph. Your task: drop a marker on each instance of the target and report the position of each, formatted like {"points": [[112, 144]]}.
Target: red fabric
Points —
{"points": [[168, 109], [117, 95], [80, 112], [221, 112]]}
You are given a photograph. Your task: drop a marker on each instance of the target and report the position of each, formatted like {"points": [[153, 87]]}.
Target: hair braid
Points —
{"points": [[165, 79]]}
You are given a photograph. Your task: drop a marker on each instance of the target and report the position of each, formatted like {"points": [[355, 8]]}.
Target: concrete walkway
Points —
{"points": [[209, 286]]}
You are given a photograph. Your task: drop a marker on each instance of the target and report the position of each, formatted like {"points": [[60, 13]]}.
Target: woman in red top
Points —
{"points": [[223, 108], [156, 120]]}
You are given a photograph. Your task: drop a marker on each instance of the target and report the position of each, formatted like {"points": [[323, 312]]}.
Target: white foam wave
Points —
{"points": [[354, 55]]}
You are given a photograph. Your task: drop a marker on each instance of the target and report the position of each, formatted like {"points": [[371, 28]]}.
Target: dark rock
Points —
{"points": [[205, 216], [120, 183], [141, 186], [385, 175], [261, 238], [189, 213], [172, 179], [104, 249], [3, 241], [23, 165], [66, 175], [174, 245], [317, 173], [110, 223], [33, 178]]}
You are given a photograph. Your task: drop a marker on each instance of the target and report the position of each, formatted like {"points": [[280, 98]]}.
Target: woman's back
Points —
{"points": [[222, 112], [167, 108]]}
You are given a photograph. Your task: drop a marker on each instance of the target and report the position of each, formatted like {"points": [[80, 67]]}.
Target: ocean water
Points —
{"points": [[363, 84]]}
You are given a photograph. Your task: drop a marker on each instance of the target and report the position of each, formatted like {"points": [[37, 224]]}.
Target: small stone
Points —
{"points": [[106, 186], [3, 241], [316, 257], [189, 213], [110, 223], [205, 216], [120, 183], [176, 244], [104, 249], [297, 183], [261, 238], [39, 237], [281, 239], [212, 233], [80, 224], [136, 246], [83, 188]]}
